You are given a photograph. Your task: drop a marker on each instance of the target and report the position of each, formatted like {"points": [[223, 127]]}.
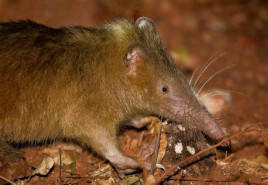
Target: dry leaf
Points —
{"points": [[105, 170], [163, 145], [44, 167], [251, 167]]}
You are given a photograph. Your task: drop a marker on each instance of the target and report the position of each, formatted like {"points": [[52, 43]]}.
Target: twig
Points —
{"points": [[5, 179], [157, 143], [171, 171], [228, 158], [60, 155], [215, 181]]}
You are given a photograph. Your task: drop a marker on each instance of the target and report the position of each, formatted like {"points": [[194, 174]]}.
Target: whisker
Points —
{"points": [[210, 94], [237, 92], [216, 92], [191, 79], [213, 59], [212, 76]]}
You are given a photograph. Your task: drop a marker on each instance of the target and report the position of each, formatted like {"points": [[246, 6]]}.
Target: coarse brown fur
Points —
{"points": [[76, 83]]}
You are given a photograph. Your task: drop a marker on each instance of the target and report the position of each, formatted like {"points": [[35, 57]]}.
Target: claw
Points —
{"points": [[160, 166]]}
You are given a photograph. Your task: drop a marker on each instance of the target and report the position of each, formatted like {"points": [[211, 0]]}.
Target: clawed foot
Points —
{"points": [[124, 165]]}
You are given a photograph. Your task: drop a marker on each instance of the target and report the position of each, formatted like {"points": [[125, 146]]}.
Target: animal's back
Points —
{"points": [[27, 46], [36, 78]]}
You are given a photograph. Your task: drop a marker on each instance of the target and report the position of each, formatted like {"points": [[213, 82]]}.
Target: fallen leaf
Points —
{"points": [[105, 170], [44, 168], [66, 159], [162, 146], [130, 180], [109, 181], [251, 167]]}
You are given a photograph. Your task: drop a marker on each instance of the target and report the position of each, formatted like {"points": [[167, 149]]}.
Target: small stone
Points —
{"points": [[178, 148], [191, 150]]}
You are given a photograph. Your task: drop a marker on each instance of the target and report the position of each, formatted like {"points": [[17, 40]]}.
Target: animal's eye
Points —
{"points": [[129, 56], [164, 89]]}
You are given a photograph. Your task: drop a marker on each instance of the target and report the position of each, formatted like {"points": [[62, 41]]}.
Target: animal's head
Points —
{"points": [[155, 84]]}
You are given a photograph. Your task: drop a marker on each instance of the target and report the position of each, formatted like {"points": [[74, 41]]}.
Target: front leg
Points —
{"points": [[103, 140]]}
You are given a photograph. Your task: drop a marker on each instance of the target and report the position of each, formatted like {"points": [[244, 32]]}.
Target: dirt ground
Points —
{"points": [[232, 34]]}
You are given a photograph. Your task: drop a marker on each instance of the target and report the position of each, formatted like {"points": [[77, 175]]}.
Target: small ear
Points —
{"points": [[146, 24], [133, 58]]}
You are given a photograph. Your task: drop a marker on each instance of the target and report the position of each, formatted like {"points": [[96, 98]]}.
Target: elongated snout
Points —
{"points": [[196, 115], [207, 124]]}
